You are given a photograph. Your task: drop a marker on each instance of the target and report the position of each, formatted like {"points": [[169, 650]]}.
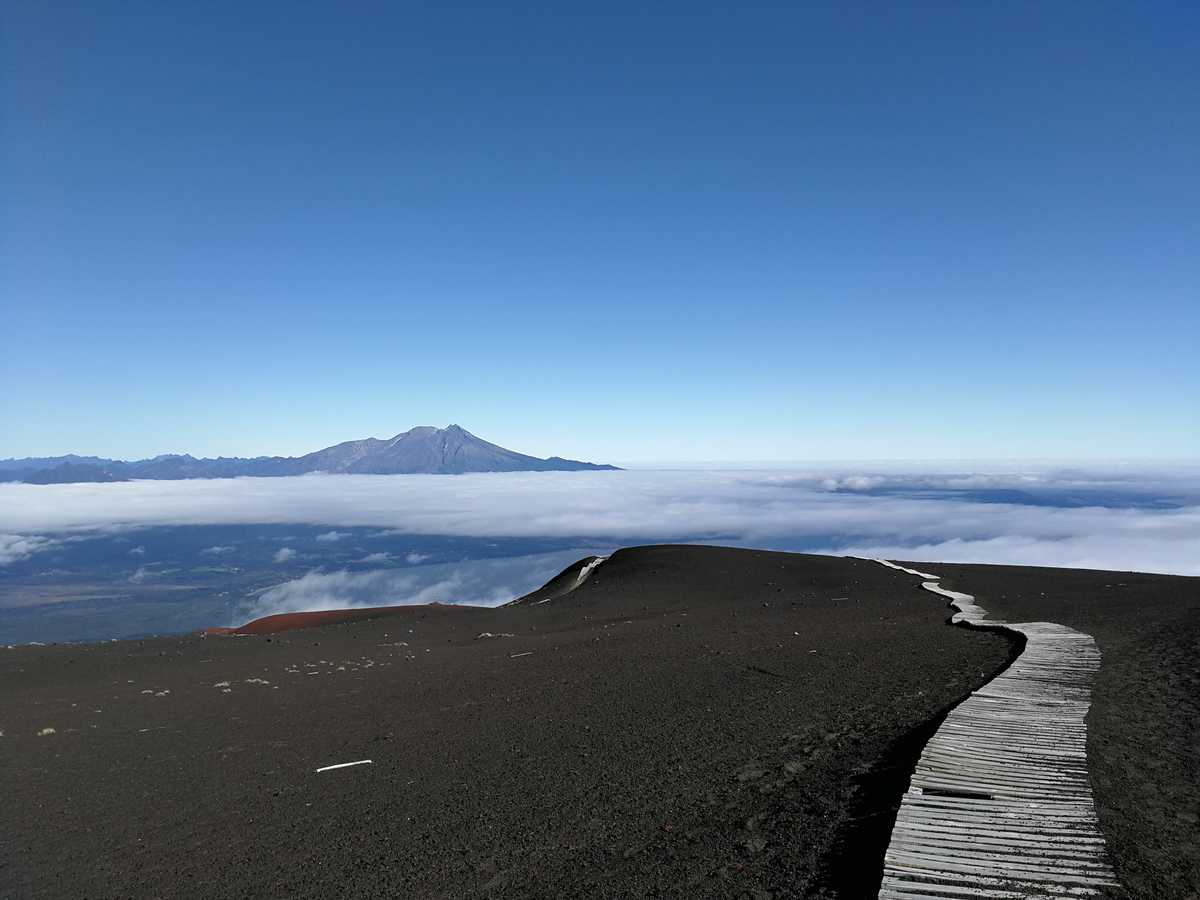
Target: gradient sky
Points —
{"points": [[611, 231]]}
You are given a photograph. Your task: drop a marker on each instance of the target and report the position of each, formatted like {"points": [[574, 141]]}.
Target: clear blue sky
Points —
{"points": [[613, 231]]}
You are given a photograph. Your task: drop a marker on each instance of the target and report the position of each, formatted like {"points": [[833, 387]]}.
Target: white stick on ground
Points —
{"points": [[361, 762]]}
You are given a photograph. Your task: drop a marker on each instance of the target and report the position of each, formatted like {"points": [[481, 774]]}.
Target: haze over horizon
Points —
{"points": [[616, 234]]}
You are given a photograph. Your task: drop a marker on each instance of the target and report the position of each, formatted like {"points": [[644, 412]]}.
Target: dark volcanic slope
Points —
{"points": [[1144, 726], [562, 583], [691, 722]]}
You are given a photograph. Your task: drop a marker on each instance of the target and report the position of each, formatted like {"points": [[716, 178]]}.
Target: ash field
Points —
{"points": [[686, 722]]}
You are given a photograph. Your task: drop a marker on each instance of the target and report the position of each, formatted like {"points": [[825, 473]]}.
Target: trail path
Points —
{"points": [[1000, 804]]}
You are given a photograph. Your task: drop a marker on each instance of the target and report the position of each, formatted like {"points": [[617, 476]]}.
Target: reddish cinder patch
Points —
{"points": [[294, 621]]}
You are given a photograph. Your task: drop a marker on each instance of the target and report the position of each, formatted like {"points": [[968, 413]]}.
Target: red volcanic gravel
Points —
{"points": [[298, 620]]}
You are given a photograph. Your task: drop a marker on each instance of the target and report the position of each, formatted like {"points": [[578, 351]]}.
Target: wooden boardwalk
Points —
{"points": [[1000, 804]]}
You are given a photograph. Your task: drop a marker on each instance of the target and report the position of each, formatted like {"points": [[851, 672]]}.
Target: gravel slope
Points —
{"points": [[691, 722]]}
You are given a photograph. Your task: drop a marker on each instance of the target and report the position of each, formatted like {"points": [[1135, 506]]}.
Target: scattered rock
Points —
{"points": [[750, 773], [754, 844]]}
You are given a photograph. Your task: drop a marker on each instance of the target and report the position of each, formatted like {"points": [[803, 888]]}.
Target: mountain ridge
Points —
{"points": [[422, 450]]}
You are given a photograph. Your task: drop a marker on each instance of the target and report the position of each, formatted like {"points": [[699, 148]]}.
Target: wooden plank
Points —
{"points": [[1032, 871]]}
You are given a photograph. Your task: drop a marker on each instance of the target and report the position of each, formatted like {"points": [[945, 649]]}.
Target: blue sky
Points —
{"points": [[621, 231]]}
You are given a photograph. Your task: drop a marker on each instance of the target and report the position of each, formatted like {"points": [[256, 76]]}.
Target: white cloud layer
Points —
{"points": [[1145, 519]]}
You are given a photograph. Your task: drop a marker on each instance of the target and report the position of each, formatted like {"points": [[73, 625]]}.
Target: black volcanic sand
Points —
{"points": [[691, 722], [1144, 725]]}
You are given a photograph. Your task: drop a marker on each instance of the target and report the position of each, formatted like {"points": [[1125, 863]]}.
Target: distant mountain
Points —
{"points": [[422, 450], [33, 463], [449, 451]]}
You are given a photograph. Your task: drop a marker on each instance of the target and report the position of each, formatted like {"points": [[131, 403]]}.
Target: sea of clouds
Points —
{"points": [[1118, 517]]}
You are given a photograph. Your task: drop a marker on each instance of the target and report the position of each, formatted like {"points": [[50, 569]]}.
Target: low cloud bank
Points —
{"points": [[1124, 553], [1118, 517], [487, 582], [18, 547]]}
